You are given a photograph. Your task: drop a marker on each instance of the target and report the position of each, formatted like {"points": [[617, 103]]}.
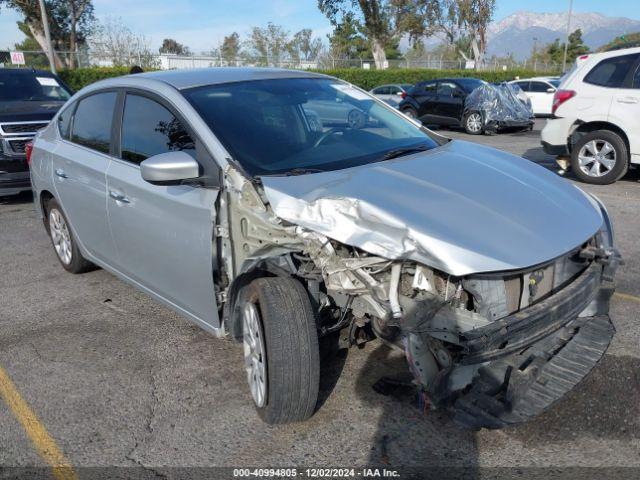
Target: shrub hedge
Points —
{"points": [[81, 77], [366, 79]]}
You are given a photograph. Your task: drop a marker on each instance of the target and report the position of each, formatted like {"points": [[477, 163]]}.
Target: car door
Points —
{"points": [[541, 95], [382, 93], [80, 161], [425, 95], [163, 233], [393, 96], [450, 103], [625, 108]]}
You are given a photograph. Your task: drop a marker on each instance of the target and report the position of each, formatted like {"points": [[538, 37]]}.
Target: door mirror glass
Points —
{"points": [[169, 168]]}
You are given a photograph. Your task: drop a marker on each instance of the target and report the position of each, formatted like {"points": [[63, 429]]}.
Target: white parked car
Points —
{"points": [[596, 116], [540, 91], [393, 93]]}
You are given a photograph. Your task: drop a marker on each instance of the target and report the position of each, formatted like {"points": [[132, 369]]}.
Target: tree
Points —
{"points": [[628, 40], [303, 46], [268, 46], [554, 51], [231, 47], [70, 23], [475, 16], [381, 22], [114, 42], [346, 41], [169, 45]]}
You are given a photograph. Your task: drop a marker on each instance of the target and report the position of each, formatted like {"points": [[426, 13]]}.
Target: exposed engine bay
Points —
{"points": [[496, 330]]}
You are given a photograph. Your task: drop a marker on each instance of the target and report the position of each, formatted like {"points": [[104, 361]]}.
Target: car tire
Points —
{"points": [[472, 123], [63, 240], [600, 157], [281, 352], [410, 112]]}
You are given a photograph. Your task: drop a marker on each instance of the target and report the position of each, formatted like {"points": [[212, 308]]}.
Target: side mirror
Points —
{"points": [[399, 93], [551, 90], [169, 168]]}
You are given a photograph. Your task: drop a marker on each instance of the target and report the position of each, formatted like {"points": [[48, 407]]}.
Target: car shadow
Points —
{"points": [[332, 361], [23, 197], [419, 442]]}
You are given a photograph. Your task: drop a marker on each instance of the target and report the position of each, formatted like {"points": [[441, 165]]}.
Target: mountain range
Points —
{"points": [[516, 33]]}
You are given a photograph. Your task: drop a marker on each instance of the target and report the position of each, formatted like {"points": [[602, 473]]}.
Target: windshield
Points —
{"points": [[30, 87], [303, 125], [555, 83]]}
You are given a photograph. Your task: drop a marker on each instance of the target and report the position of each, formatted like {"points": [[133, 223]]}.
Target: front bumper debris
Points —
{"points": [[518, 387]]}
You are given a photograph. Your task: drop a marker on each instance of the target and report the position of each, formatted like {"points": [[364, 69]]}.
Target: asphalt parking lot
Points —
{"points": [[119, 380]]}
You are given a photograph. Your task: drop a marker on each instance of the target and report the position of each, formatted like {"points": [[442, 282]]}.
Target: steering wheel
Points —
{"points": [[327, 134]]}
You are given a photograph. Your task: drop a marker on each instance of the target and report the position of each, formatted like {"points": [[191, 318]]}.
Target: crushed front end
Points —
{"points": [[496, 348]]}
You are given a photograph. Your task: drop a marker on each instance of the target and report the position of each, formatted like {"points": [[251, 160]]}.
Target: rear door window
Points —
{"points": [[150, 129], [524, 86], [92, 121], [539, 87], [64, 122], [611, 72]]}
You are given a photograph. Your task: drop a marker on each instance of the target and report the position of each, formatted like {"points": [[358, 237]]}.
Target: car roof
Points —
{"points": [[189, 78], [26, 71]]}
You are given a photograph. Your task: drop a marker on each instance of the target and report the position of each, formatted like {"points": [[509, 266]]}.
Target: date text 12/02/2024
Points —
{"points": [[315, 473]]}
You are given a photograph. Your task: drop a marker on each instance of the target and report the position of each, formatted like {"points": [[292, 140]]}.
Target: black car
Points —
{"points": [[28, 101], [442, 102]]}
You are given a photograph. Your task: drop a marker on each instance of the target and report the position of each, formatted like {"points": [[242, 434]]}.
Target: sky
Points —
{"points": [[202, 24]]}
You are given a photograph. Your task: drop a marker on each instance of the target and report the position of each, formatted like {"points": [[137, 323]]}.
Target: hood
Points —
{"points": [[462, 208], [26, 111]]}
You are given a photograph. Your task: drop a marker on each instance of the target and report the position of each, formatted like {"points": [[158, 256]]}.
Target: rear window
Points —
{"points": [[611, 72], [19, 86], [92, 121]]}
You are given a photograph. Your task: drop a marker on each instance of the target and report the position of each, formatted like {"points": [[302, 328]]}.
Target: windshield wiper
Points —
{"points": [[404, 151], [302, 171]]}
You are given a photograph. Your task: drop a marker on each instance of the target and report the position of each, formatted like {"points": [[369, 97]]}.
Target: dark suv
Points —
{"points": [[439, 102], [28, 101]]}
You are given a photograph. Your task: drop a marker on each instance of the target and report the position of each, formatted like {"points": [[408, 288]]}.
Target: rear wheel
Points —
{"points": [[600, 157], [410, 112], [64, 243], [473, 123], [281, 353]]}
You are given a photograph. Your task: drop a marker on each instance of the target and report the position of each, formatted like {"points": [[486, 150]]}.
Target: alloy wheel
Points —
{"points": [[596, 158], [254, 354], [474, 122], [60, 236]]}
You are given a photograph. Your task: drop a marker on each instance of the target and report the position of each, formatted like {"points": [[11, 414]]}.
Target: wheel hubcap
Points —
{"points": [[60, 236], [254, 354], [596, 158], [474, 122]]}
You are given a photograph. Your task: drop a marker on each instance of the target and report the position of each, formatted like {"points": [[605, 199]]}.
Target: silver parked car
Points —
{"points": [[392, 93], [224, 194]]}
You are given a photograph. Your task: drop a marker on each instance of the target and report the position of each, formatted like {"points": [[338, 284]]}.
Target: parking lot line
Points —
{"points": [[46, 446], [626, 296]]}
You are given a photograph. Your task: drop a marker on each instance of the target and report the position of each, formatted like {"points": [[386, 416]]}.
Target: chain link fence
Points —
{"points": [[83, 59]]}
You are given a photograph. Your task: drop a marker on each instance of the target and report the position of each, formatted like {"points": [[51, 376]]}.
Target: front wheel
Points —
{"points": [[281, 352], [473, 123], [600, 157]]}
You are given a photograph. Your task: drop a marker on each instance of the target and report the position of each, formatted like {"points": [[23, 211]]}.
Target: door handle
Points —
{"points": [[627, 100], [60, 173], [118, 197]]}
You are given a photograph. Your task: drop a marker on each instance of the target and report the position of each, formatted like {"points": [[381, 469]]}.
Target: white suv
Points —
{"points": [[596, 116]]}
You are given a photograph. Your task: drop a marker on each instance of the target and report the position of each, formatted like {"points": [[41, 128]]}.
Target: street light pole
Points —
{"points": [[47, 35], [566, 43]]}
